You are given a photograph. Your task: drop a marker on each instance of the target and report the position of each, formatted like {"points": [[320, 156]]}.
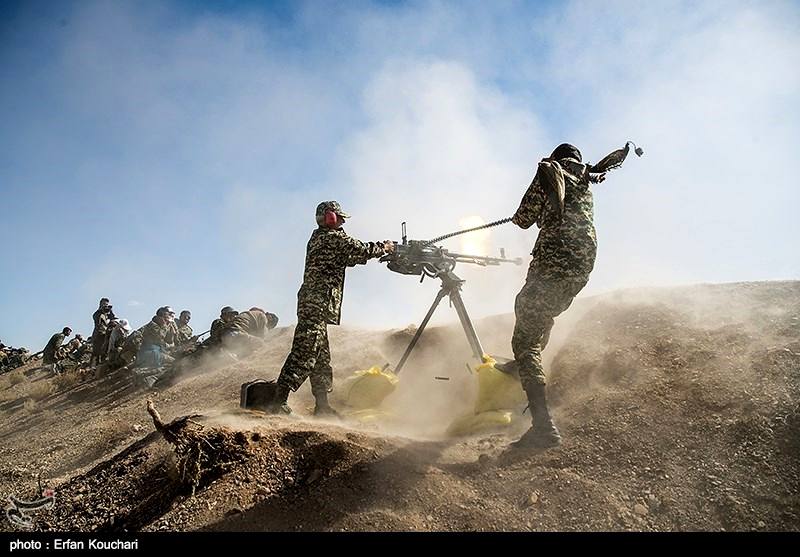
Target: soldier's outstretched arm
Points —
{"points": [[356, 252], [530, 208]]}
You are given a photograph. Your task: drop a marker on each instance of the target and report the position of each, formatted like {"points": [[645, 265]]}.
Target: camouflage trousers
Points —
{"points": [[536, 306], [310, 357]]}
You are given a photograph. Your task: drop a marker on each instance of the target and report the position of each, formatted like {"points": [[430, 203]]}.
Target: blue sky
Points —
{"points": [[173, 152]]}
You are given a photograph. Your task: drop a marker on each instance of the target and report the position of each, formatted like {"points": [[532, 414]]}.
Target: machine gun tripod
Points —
{"points": [[421, 258]]}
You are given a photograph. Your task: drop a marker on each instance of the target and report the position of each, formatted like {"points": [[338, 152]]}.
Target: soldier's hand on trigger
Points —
{"points": [[388, 246]]}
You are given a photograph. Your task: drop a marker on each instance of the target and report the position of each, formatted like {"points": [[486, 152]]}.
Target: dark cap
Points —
{"points": [[227, 309]]}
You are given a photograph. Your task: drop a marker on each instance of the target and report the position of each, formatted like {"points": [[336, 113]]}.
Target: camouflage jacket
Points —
{"points": [[73, 345], [132, 344], [217, 327], [156, 334], [116, 338], [329, 252], [49, 352], [185, 332], [567, 244], [250, 322]]}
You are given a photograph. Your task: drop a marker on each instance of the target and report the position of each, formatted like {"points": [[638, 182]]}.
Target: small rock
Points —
{"points": [[640, 509], [761, 524], [137, 428], [533, 498]]}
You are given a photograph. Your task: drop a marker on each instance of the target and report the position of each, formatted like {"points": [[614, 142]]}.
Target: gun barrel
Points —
{"points": [[482, 260]]}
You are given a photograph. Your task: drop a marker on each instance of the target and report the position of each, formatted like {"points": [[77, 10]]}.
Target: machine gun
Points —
{"points": [[422, 258]]}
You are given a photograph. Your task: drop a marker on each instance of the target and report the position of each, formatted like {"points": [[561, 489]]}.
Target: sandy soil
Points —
{"points": [[679, 409]]}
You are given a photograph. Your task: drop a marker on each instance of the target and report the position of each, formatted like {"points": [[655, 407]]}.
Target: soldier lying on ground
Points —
{"points": [[247, 330], [14, 358], [226, 316]]}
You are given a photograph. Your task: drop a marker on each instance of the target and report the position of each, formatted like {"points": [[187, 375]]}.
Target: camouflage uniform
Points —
{"points": [[116, 340], [563, 258], [185, 333], [245, 332], [250, 322], [319, 303], [217, 328], [131, 346], [73, 345], [155, 342], [17, 358], [49, 354]]}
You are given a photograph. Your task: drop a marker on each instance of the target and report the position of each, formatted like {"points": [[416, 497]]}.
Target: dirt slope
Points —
{"points": [[679, 409]]}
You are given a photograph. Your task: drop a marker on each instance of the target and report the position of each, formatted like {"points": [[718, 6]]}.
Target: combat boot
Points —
{"points": [[280, 402], [322, 407], [544, 433], [510, 367]]}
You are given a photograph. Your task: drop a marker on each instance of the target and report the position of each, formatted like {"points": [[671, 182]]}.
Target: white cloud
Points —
{"points": [[438, 146], [215, 137]]}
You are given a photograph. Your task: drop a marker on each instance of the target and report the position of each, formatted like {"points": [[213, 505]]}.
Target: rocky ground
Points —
{"points": [[679, 407]]}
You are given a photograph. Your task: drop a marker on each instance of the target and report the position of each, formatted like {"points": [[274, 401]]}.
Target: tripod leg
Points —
{"points": [[466, 323], [442, 293]]}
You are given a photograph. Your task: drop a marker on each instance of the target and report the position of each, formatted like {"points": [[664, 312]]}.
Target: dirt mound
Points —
{"points": [[678, 407]]}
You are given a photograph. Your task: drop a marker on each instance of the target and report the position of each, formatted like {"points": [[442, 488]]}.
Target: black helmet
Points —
{"points": [[227, 309], [566, 151]]}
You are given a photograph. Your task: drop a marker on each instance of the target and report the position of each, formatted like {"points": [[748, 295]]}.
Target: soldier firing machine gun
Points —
{"points": [[422, 258]]}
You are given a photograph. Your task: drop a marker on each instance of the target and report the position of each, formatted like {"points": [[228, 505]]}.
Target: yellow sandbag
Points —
{"points": [[368, 415], [497, 390], [367, 388], [477, 423]]}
